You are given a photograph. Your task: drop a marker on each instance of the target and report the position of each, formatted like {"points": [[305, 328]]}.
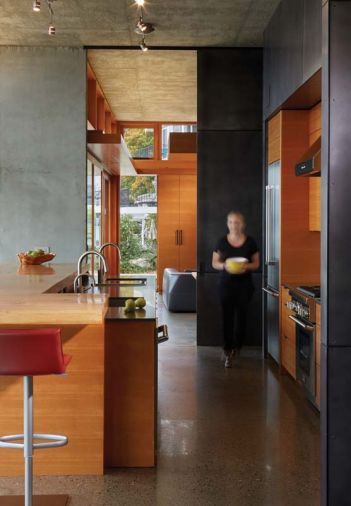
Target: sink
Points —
{"points": [[119, 301], [125, 281]]}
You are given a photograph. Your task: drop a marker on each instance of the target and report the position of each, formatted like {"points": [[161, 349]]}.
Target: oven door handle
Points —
{"points": [[303, 325], [270, 292]]}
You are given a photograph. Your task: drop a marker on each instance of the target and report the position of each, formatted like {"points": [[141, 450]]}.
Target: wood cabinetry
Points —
{"points": [[130, 411], [176, 224], [288, 335], [289, 134], [315, 130]]}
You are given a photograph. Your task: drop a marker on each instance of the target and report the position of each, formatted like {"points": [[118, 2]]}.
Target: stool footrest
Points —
{"points": [[57, 441]]}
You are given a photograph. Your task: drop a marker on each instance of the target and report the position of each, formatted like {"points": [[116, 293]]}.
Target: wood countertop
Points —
{"points": [[29, 295], [24, 297]]}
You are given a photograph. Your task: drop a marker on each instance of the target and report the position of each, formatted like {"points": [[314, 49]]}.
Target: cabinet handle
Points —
{"points": [[176, 237], [180, 237]]}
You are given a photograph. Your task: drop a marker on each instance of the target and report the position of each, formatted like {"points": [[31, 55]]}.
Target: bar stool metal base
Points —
{"points": [[38, 500]]}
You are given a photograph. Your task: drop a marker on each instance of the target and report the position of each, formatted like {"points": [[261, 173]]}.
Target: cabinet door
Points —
{"points": [[187, 222], [167, 225]]}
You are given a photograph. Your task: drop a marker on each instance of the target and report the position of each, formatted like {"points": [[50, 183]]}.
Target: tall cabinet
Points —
{"points": [[176, 224], [290, 134]]}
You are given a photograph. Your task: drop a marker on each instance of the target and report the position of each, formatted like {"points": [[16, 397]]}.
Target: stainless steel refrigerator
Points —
{"points": [[272, 258]]}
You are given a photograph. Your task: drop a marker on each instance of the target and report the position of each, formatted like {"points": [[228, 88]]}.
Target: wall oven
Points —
{"points": [[303, 305]]}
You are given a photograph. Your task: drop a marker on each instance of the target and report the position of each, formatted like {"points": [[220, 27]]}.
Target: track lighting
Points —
{"points": [[36, 8], [143, 45], [52, 30], [36, 5], [143, 28]]}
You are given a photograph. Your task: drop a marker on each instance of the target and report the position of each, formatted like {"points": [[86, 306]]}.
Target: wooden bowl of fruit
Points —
{"points": [[35, 257]]}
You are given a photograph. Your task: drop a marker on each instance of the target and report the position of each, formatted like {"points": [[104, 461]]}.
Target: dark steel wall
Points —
{"points": [[336, 247], [229, 171], [292, 50]]}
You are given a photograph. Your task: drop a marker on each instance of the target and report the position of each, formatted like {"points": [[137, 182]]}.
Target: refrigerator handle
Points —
{"points": [[268, 223]]}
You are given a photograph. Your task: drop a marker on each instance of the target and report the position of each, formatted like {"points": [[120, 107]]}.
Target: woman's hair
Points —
{"points": [[239, 214]]}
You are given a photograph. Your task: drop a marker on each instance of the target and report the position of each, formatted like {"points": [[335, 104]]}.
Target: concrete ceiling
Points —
{"points": [[151, 86], [111, 22]]}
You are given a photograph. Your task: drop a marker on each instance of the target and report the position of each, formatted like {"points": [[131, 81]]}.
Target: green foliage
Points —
{"points": [[138, 185], [130, 238], [138, 138], [135, 258]]}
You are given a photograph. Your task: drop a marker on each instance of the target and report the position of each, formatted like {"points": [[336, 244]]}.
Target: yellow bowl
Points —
{"points": [[235, 264]]}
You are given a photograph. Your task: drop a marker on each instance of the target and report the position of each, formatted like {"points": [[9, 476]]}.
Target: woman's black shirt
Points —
{"points": [[226, 250]]}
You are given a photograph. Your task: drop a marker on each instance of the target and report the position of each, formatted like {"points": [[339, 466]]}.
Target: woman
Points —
{"points": [[235, 290]]}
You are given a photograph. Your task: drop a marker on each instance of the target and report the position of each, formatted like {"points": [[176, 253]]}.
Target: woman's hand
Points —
{"points": [[217, 262]]}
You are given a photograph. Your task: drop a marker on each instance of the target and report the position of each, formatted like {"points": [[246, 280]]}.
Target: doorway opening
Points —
{"points": [[138, 224]]}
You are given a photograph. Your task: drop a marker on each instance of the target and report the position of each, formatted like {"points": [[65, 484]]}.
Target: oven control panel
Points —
{"points": [[299, 309]]}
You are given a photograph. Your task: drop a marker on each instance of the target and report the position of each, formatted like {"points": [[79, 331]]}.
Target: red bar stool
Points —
{"points": [[29, 353]]}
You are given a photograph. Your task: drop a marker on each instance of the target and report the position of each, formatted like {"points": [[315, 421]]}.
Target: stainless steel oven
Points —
{"points": [[305, 355], [303, 305]]}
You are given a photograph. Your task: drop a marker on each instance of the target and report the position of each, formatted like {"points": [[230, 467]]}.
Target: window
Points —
{"points": [[167, 129], [140, 142], [94, 207], [89, 205]]}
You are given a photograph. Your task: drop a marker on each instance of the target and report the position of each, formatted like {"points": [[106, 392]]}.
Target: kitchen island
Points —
{"points": [[107, 402]]}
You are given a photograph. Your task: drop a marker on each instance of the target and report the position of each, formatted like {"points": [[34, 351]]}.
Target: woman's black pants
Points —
{"points": [[235, 305]]}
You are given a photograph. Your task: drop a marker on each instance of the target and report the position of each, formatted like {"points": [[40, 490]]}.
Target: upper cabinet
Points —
{"points": [[292, 50], [289, 135], [274, 139]]}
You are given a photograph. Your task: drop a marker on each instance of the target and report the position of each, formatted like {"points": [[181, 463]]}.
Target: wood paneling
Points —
{"points": [[315, 123], [177, 203], [287, 335], [100, 114], [71, 404], [274, 138], [131, 394], [187, 222], [108, 129], [92, 106], [182, 142], [173, 166], [314, 211], [300, 248], [315, 130], [167, 224]]}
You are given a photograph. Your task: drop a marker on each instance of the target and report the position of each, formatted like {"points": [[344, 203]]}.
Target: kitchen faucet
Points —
{"points": [[114, 245], [91, 252], [81, 276]]}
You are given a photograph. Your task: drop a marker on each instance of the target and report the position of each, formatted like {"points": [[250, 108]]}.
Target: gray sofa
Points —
{"points": [[179, 291]]}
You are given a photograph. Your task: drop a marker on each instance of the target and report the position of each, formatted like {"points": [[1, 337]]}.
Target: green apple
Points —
{"points": [[129, 306], [140, 302]]}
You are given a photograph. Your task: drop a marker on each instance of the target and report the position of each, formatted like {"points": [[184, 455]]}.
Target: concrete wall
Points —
{"points": [[42, 151]]}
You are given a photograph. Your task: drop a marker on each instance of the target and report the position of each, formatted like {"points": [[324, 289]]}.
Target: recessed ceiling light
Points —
{"points": [[140, 2], [52, 30]]}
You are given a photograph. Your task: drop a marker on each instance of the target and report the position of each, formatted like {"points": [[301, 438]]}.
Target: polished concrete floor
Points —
{"points": [[242, 436]]}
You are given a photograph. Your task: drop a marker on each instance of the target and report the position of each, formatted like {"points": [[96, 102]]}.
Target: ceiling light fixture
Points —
{"points": [[143, 28], [36, 6], [51, 29], [143, 45]]}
